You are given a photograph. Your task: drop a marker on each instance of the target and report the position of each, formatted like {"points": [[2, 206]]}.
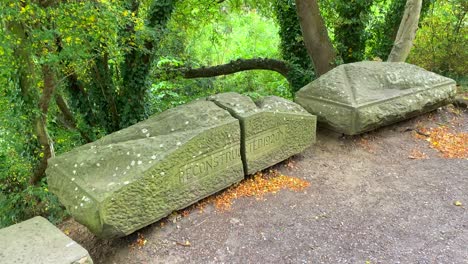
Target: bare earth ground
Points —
{"points": [[367, 203]]}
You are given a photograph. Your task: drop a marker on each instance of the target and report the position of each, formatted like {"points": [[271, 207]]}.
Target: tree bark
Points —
{"points": [[237, 66], [41, 125], [406, 32], [33, 100], [316, 40]]}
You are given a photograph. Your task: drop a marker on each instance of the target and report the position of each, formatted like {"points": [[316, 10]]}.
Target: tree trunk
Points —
{"points": [[41, 124], [137, 65], [32, 99], [406, 32], [317, 42]]}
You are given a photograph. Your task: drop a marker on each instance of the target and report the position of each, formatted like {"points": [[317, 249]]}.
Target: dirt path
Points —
{"points": [[367, 203]]}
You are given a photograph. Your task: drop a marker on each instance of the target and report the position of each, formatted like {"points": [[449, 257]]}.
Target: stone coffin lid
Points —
{"points": [[38, 241], [273, 128], [358, 97], [138, 175], [362, 83]]}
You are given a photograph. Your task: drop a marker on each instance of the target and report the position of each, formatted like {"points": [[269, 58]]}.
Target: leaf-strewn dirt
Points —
{"points": [[382, 197]]}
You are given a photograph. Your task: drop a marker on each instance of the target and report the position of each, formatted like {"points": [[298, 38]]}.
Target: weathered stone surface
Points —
{"points": [[358, 97], [36, 241], [138, 175], [273, 128]]}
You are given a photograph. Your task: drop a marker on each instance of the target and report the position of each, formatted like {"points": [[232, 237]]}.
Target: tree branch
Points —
{"points": [[239, 65]]}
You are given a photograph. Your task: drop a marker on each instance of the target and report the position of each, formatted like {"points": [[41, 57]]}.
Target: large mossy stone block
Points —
{"points": [[273, 128], [358, 97], [140, 174], [36, 241]]}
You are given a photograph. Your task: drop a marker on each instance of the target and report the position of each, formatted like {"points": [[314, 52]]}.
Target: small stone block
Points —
{"points": [[36, 241], [273, 128], [140, 174], [358, 97]]}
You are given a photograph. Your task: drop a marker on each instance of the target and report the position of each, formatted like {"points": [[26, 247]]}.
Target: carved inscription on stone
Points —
{"points": [[266, 141], [209, 164]]}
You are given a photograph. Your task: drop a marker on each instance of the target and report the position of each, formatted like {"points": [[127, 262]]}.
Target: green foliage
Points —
{"points": [[441, 43], [231, 33], [131, 102], [350, 33], [100, 54], [18, 152], [384, 24], [168, 94]]}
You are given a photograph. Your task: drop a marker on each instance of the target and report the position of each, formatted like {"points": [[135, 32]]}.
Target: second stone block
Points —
{"points": [[272, 128]]}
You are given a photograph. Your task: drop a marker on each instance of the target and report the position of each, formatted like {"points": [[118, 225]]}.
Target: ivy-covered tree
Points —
{"points": [[350, 28], [79, 66], [96, 55], [292, 45]]}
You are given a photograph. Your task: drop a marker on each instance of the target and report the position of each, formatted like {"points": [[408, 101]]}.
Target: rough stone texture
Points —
{"points": [[358, 97], [37, 241], [273, 128], [140, 174]]}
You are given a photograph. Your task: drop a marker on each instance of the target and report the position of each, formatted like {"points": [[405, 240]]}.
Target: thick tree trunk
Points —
{"points": [[33, 100], [406, 32], [237, 66], [316, 40]]}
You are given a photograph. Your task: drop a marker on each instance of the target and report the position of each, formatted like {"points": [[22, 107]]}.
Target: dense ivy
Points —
{"points": [[137, 66], [292, 45], [114, 90], [97, 55], [350, 28]]}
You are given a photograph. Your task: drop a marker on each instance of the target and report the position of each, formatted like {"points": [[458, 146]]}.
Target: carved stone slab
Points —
{"points": [[358, 97], [37, 241], [140, 174], [273, 128]]}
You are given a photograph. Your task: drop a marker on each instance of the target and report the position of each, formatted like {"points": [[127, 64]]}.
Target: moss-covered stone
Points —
{"points": [[38, 241], [273, 128], [138, 175], [358, 97]]}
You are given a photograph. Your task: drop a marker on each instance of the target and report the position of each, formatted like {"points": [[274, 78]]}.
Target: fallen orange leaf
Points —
{"points": [[450, 144], [257, 186]]}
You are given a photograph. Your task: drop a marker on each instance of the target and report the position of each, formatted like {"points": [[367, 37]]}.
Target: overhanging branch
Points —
{"points": [[239, 65]]}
